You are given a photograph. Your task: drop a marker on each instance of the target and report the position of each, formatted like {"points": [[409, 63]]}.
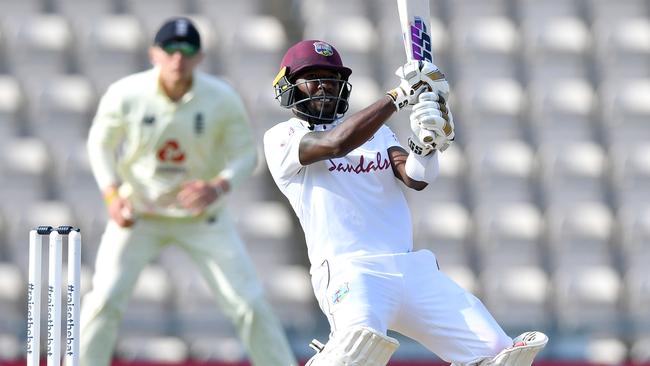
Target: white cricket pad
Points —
{"points": [[358, 346], [522, 352]]}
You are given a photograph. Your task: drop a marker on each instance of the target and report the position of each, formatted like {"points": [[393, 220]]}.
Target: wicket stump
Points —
{"points": [[34, 292]]}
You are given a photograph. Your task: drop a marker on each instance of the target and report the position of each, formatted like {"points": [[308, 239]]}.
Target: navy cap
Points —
{"points": [[178, 30]]}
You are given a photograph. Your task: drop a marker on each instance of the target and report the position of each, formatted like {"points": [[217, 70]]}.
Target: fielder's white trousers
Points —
{"points": [[220, 256], [407, 293]]}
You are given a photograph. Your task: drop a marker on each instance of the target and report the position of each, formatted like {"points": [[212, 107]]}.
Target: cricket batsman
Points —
{"points": [[343, 178]]}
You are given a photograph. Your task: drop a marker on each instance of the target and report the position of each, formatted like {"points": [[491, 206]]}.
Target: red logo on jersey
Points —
{"points": [[171, 151]]}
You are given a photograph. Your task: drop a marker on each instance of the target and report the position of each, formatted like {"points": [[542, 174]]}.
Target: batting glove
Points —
{"points": [[417, 147], [417, 77], [432, 122]]}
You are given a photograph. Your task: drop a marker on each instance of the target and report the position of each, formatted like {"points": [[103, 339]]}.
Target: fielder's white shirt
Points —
{"points": [[347, 206], [165, 143]]}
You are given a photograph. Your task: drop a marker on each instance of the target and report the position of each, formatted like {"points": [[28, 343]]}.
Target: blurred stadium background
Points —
{"points": [[543, 204]]}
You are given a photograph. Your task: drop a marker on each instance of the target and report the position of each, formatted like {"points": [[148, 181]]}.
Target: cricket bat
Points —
{"points": [[415, 21]]}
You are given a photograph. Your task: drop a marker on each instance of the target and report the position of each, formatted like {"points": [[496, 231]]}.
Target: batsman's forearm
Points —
{"points": [[361, 126]]}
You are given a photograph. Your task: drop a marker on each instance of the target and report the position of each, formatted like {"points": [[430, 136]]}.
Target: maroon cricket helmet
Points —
{"points": [[313, 54]]}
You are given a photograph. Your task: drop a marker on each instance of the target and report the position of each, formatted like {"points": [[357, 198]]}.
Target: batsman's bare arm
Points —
{"points": [[356, 130], [398, 156], [342, 139]]}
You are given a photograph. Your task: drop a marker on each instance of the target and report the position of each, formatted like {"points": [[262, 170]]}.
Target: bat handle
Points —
{"points": [[427, 137]]}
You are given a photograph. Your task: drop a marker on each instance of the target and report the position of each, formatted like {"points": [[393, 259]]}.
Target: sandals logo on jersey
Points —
{"points": [[363, 166], [171, 152], [323, 48], [341, 293]]}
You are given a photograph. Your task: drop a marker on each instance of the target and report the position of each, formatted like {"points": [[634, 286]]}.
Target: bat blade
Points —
{"points": [[415, 19]]}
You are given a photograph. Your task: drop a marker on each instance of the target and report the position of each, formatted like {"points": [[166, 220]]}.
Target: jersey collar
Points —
{"points": [[188, 96]]}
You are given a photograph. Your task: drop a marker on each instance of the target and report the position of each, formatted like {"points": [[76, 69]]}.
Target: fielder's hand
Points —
{"points": [[417, 77], [197, 195], [119, 209], [432, 124]]}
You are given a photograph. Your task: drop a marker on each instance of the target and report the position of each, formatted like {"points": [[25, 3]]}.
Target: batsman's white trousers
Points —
{"points": [[407, 293], [220, 256]]}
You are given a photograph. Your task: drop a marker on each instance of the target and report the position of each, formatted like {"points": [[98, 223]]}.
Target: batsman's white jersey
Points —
{"points": [[358, 229], [166, 143], [357, 194]]}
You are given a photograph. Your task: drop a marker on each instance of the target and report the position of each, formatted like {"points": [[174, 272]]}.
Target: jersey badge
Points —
{"points": [[171, 152], [341, 293], [148, 120], [323, 48], [199, 125]]}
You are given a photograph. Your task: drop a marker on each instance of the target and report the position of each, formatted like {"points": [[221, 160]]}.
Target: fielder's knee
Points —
{"points": [[355, 346], [103, 307], [247, 309]]}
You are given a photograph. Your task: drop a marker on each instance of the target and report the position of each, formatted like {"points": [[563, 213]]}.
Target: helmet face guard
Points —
{"points": [[290, 97], [314, 55]]}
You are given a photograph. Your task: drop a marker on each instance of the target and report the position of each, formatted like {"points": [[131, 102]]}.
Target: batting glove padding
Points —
{"points": [[358, 345], [417, 77], [417, 147], [522, 353], [432, 122]]}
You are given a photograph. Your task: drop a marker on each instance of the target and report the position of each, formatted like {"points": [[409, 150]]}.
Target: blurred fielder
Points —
{"points": [[342, 179], [184, 141]]}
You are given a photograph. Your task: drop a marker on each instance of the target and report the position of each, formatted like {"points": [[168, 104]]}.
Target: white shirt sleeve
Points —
{"points": [[281, 148], [106, 132], [423, 168], [390, 139], [239, 145]]}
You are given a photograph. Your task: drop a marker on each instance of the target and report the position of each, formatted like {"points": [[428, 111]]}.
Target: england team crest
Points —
{"points": [[323, 48]]}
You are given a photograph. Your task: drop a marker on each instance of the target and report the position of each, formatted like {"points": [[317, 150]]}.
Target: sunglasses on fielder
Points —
{"points": [[186, 49]]}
